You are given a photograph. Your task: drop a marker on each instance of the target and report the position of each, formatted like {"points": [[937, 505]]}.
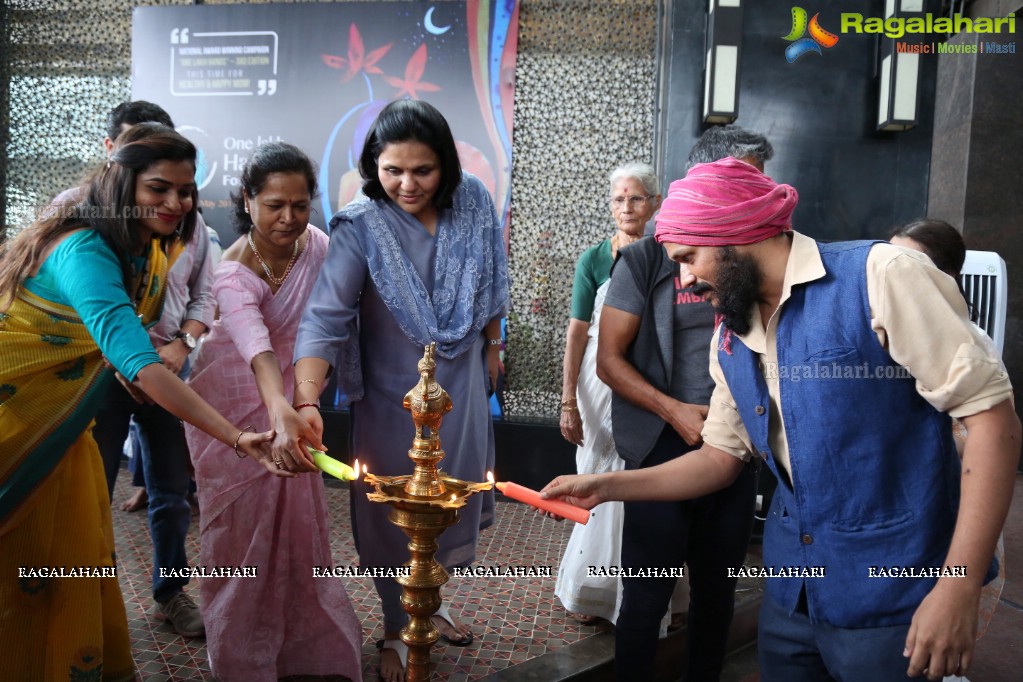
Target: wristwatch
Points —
{"points": [[186, 339]]}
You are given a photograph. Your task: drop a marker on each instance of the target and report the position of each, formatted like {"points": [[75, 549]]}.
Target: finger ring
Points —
{"points": [[278, 462]]}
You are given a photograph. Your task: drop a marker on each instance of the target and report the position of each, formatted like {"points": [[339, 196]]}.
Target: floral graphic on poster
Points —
{"points": [[372, 75]]}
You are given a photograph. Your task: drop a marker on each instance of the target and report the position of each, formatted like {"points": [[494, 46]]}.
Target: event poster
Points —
{"points": [[316, 75]]}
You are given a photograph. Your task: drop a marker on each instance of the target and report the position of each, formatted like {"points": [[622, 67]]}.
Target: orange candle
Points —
{"points": [[532, 498]]}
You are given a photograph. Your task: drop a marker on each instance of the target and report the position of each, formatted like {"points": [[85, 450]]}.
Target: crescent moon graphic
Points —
{"points": [[431, 27]]}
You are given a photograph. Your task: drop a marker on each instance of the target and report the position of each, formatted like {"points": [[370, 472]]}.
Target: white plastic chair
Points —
{"points": [[985, 283]]}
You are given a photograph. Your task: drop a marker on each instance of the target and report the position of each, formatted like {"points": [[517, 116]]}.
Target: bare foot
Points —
{"points": [[391, 666], [583, 618], [137, 502]]}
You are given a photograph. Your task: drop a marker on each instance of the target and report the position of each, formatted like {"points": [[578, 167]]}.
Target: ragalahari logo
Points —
{"points": [[817, 39]]}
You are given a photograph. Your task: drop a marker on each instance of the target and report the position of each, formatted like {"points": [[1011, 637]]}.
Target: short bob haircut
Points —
{"points": [[411, 120], [718, 142], [133, 113]]}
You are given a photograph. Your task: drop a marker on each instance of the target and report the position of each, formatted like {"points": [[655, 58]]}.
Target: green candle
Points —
{"points": [[333, 467]]}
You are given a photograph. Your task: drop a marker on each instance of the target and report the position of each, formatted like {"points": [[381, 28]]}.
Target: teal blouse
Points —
{"points": [[83, 273], [591, 271]]}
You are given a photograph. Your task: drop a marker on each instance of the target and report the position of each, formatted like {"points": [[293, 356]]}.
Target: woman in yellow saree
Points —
{"points": [[74, 288]]}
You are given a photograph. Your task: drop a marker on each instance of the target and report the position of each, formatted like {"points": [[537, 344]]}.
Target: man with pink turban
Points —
{"points": [[841, 365]]}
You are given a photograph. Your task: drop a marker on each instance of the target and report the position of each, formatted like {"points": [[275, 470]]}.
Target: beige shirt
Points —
{"points": [[919, 317]]}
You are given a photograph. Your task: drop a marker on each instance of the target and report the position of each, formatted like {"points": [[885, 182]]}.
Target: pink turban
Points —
{"points": [[725, 203]]}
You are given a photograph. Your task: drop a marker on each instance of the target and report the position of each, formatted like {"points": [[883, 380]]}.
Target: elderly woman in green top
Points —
{"points": [[586, 400]]}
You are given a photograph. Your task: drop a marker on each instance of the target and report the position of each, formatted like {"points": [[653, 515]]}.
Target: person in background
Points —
{"points": [[586, 408], [819, 368], [940, 241], [281, 622], [140, 499], [162, 464], [719, 142], [76, 289], [419, 258]]}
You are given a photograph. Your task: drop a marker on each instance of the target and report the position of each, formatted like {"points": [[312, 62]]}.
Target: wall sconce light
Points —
{"points": [[721, 72], [900, 73]]}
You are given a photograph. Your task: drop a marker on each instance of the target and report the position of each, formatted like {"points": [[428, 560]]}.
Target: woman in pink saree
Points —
{"points": [[282, 621]]}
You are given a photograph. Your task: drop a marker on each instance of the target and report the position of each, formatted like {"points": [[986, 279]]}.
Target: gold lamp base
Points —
{"points": [[423, 505]]}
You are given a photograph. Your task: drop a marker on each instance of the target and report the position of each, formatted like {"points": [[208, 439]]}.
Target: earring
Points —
{"points": [[246, 208]]}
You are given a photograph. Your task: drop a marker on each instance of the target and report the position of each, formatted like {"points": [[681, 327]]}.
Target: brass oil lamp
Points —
{"points": [[423, 505]]}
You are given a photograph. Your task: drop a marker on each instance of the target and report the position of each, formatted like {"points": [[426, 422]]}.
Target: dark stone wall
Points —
{"points": [[975, 182], [958, 164], [820, 114]]}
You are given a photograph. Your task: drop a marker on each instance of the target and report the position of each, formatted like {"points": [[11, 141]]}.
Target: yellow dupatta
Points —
{"points": [[54, 507], [50, 372]]}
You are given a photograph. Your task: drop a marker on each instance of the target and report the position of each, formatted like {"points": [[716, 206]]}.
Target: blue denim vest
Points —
{"points": [[875, 475]]}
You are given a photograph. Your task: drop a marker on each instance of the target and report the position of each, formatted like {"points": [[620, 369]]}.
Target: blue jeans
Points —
{"points": [[138, 476], [709, 535], [164, 455], [790, 647]]}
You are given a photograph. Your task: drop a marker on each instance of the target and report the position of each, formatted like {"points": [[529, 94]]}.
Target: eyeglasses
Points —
{"points": [[634, 202]]}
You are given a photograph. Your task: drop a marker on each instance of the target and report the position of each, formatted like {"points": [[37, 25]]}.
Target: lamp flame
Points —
{"points": [[356, 467], [490, 476]]}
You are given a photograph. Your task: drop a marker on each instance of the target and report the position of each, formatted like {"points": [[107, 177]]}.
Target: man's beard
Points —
{"points": [[736, 290]]}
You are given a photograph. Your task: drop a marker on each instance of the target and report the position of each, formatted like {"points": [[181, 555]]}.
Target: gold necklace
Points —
{"points": [[276, 281]]}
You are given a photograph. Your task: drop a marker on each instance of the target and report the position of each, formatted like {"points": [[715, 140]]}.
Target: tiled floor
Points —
{"points": [[513, 619]]}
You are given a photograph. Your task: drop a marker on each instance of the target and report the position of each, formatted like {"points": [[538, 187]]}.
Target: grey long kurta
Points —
{"points": [[382, 429]]}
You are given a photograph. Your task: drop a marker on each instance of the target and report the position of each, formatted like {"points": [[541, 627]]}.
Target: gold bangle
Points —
{"points": [[308, 381], [238, 439], [568, 401], [569, 408]]}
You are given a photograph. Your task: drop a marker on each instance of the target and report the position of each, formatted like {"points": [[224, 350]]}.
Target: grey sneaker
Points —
{"points": [[183, 615]]}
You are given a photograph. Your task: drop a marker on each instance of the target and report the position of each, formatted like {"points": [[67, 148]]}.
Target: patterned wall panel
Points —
{"points": [[584, 96], [68, 64], [584, 104]]}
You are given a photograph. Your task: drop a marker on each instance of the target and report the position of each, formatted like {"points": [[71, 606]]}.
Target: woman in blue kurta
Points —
{"points": [[419, 258], [76, 289]]}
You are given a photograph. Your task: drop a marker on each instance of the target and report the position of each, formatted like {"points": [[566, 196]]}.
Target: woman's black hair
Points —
{"points": [[411, 120], [943, 244], [112, 191], [269, 158], [108, 207], [940, 241]]}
